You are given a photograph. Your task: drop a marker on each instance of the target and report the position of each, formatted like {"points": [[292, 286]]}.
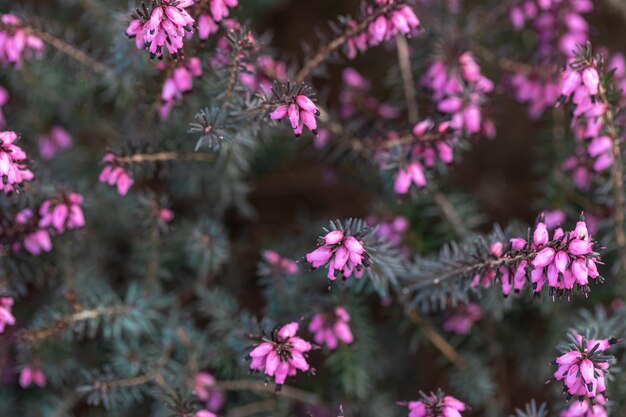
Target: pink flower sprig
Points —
{"points": [[178, 83], [463, 318], [355, 99], [460, 91], [341, 251], [260, 75], [16, 42], [587, 408], [436, 405], [218, 10], [55, 141], [115, 174], [282, 355], [297, 105], [329, 328], [6, 316], [13, 164], [32, 375], [583, 366], [29, 235], [208, 393], [162, 25], [63, 213], [276, 265]]}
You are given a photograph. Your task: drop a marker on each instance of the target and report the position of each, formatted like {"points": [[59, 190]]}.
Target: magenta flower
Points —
{"points": [[436, 405], [115, 174], [278, 264], [163, 27], [399, 20], [4, 99], [330, 328], [204, 413], [166, 215], [282, 356], [30, 376], [34, 239], [260, 75], [585, 408], [62, 214], [207, 392], [299, 109], [462, 320], [16, 43], [179, 82], [13, 169], [583, 368], [341, 253], [55, 141], [6, 317]]}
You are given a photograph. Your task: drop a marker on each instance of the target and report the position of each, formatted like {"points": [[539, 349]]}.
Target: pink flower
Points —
{"points": [[282, 356], [16, 43], [586, 408], [436, 405], [34, 239], [29, 376], [64, 213], [13, 169], [299, 109], [114, 174], [206, 391], [57, 140], [280, 264], [204, 413], [179, 82], [462, 320], [6, 317], [166, 215], [329, 328], [164, 27], [583, 368], [342, 253]]}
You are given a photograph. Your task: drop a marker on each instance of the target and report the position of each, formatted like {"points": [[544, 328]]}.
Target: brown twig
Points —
{"points": [[404, 59], [437, 340], [327, 50], [165, 156], [450, 213]]}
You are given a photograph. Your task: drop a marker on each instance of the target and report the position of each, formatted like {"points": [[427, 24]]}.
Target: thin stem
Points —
{"points": [[165, 156], [233, 76], [404, 59], [326, 51], [451, 214], [253, 385], [437, 340]]}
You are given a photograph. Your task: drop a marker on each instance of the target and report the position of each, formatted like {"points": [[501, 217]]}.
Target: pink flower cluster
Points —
{"points": [[260, 76], [279, 264], [34, 239], [463, 319], [583, 368], [218, 11], [6, 316], [330, 328], [115, 174], [204, 413], [208, 393], [62, 214], [391, 231], [433, 142], [13, 169], [556, 22], [585, 408], [537, 87], [179, 82], [565, 261], [282, 356], [16, 42], [53, 142], [30, 376], [301, 111], [460, 91], [436, 405], [341, 253], [399, 18], [355, 99], [164, 27]]}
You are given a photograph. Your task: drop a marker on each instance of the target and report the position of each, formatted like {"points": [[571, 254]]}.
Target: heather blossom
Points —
{"points": [[463, 319], [583, 366], [56, 140], [278, 264], [16, 42], [341, 253], [260, 75], [355, 98], [61, 214], [281, 356], [400, 19], [115, 174], [586, 408], [207, 392], [6, 316], [30, 376], [209, 20], [330, 328], [460, 91], [179, 82], [298, 108], [13, 169], [164, 27], [436, 405]]}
